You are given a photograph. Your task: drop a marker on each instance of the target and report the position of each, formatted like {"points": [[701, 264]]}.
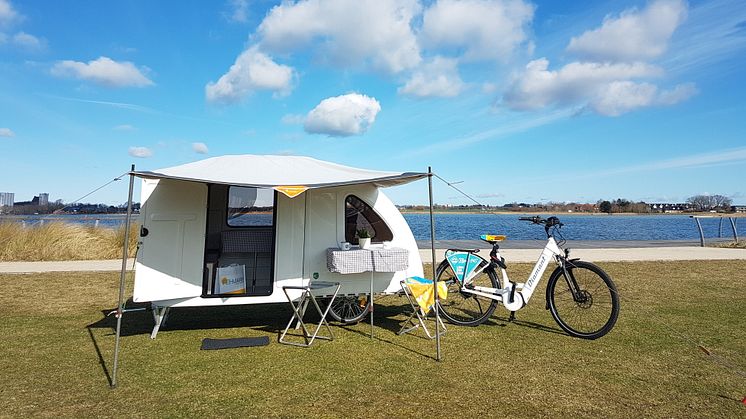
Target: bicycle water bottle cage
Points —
{"points": [[492, 238]]}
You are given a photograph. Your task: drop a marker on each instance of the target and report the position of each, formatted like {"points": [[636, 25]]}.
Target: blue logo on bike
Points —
{"points": [[463, 263]]}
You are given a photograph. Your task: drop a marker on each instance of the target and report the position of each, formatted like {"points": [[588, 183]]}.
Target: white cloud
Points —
{"points": [[293, 119], [239, 11], [253, 70], [618, 97], [351, 33], [7, 13], [7, 132], [575, 83], [104, 71], [125, 127], [342, 116], [621, 97], [437, 78], [692, 161], [634, 35], [482, 29], [28, 42], [504, 129], [140, 152], [678, 94], [200, 148]]}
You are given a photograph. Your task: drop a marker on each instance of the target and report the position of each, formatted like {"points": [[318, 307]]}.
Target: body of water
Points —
{"points": [[100, 220], [576, 227], [471, 226]]}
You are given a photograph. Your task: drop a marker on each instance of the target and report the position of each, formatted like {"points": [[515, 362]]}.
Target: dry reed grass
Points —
{"points": [[62, 241]]}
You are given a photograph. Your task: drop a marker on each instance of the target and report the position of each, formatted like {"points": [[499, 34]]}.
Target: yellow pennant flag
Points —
{"points": [[291, 191]]}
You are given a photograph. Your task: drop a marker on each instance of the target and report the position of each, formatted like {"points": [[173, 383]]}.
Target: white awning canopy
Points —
{"points": [[290, 175]]}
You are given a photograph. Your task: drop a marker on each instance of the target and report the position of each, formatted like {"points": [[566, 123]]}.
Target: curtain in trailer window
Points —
{"points": [[250, 207], [359, 215]]}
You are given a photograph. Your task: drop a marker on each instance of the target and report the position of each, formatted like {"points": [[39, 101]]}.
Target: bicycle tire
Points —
{"points": [[595, 312], [463, 308], [347, 309]]}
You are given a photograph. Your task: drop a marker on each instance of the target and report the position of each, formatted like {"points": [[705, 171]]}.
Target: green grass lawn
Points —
{"points": [[56, 350]]}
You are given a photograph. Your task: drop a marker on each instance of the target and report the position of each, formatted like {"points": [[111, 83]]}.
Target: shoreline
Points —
{"points": [[572, 214]]}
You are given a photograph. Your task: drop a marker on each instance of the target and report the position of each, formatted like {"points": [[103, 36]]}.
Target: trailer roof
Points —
{"points": [[288, 174]]}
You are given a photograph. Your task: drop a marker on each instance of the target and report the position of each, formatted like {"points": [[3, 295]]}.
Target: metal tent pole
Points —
{"points": [[125, 250], [432, 249], [733, 226]]}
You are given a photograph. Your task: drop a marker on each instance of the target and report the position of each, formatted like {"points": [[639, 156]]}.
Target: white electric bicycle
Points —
{"points": [[581, 297]]}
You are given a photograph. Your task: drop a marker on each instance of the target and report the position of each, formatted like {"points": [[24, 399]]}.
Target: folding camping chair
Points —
{"points": [[419, 292], [299, 309]]}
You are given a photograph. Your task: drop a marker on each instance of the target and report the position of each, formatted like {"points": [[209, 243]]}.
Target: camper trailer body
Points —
{"points": [[191, 232]]}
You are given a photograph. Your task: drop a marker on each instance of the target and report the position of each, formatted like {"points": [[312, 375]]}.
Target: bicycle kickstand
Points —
{"points": [[512, 316]]}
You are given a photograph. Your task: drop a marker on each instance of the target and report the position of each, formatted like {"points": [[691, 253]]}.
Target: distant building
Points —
{"points": [[43, 199], [6, 199], [666, 207], [738, 208]]}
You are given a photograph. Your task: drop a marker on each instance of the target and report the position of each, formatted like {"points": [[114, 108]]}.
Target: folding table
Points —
{"points": [[373, 259]]}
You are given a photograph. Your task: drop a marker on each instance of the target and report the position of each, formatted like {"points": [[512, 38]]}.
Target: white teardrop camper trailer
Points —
{"points": [[260, 223]]}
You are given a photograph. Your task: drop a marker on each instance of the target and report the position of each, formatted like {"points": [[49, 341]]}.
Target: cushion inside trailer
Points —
{"points": [[210, 344]]}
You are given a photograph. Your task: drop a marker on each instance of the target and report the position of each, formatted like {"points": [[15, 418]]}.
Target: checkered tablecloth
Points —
{"points": [[366, 260]]}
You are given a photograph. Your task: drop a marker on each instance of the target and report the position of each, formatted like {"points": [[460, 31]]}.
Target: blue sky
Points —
{"points": [[518, 100]]}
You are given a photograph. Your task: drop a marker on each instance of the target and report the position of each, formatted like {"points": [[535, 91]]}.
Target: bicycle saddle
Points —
{"points": [[492, 238]]}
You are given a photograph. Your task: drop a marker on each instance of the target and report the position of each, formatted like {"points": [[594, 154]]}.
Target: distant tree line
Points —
{"points": [[623, 205], [710, 202], [697, 203], [26, 208]]}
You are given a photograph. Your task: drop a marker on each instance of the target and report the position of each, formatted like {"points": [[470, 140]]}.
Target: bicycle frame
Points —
{"points": [[514, 295]]}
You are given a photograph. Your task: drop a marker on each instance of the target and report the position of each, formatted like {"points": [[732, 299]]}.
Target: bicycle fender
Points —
{"points": [[556, 272]]}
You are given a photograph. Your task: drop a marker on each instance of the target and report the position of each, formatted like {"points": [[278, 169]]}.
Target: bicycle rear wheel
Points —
{"points": [[464, 308], [350, 309], [592, 311]]}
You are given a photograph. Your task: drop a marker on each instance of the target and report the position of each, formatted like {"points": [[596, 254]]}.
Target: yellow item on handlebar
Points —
{"points": [[491, 238]]}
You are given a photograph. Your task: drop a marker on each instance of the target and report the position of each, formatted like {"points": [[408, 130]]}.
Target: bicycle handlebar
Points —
{"points": [[549, 222], [535, 219]]}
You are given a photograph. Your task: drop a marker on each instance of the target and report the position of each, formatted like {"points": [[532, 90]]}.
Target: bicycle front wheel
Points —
{"points": [[463, 308], [584, 302], [348, 309]]}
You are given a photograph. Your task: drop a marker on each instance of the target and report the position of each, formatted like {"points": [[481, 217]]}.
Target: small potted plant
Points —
{"points": [[363, 236]]}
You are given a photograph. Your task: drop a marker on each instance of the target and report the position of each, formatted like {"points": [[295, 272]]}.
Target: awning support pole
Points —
{"points": [[125, 251], [432, 249]]}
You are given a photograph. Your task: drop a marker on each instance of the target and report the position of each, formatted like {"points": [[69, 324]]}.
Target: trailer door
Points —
{"points": [[170, 260]]}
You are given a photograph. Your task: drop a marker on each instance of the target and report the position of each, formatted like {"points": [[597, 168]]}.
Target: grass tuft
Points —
{"points": [[61, 241], [741, 244]]}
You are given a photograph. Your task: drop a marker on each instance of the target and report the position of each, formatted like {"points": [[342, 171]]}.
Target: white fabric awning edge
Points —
{"points": [[271, 171], [383, 182]]}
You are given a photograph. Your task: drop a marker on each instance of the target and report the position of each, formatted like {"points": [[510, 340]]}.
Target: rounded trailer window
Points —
{"points": [[358, 216]]}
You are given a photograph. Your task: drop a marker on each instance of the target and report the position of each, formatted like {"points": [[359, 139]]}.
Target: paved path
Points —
{"points": [[511, 254]]}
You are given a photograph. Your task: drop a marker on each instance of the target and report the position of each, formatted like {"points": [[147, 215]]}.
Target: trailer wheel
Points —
{"points": [[350, 309]]}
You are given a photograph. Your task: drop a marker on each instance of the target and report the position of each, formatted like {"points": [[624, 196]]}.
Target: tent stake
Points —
{"points": [[432, 249], [120, 305]]}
